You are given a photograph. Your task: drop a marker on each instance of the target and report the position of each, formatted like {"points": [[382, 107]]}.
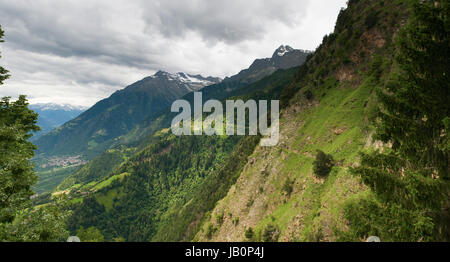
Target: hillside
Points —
{"points": [[329, 107], [141, 132], [161, 178], [154, 186], [94, 130], [219, 196]]}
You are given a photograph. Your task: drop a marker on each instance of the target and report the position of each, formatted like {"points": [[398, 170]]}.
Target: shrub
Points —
{"points": [[323, 164], [288, 186], [271, 233], [210, 231], [308, 95], [219, 218], [371, 20], [235, 221], [249, 234], [91, 234]]}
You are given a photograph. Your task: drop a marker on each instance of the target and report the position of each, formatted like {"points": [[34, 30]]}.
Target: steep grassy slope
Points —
{"points": [[218, 188], [167, 173], [115, 123], [278, 197]]}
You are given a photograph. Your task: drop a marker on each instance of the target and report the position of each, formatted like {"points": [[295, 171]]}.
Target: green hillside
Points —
{"points": [[363, 148], [170, 172], [95, 130], [332, 107]]}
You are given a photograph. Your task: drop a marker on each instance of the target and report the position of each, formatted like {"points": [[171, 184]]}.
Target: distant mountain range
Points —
{"points": [[96, 129], [114, 116], [147, 167], [52, 116], [328, 179]]}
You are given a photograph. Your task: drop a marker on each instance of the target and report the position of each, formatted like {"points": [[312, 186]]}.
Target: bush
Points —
{"points": [[288, 186], [249, 234], [271, 233], [91, 234], [210, 230], [371, 20], [219, 218], [235, 221], [308, 95], [323, 164]]}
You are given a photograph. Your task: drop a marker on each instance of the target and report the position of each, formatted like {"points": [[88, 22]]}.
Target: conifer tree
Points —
{"points": [[411, 179], [18, 220], [3, 72]]}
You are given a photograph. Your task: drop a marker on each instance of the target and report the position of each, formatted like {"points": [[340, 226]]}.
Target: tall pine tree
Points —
{"points": [[3, 72], [411, 178], [18, 219]]}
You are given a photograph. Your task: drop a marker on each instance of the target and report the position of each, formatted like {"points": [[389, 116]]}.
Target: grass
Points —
{"points": [[50, 179], [109, 180], [336, 124], [107, 199]]}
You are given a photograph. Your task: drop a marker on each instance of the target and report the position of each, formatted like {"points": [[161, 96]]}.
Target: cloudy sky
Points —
{"points": [[80, 51]]}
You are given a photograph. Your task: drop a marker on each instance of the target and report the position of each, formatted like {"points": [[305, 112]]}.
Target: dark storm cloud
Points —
{"points": [[78, 28], [217, 20], [68, 29]]}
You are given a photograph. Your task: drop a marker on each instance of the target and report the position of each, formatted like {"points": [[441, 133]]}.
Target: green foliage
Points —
{"points": [[235, 221], [323, 164], [18, 222], [43, 224], [3, 72], [95, 170], [210, 230], [249, 234], [16, 172], [90, 234], [50, 179], [371, 20], [290, 90], [308, 95], [219, 218], [390, 222], [175, 181], [271, 233], [411, 181], [288, 186]]}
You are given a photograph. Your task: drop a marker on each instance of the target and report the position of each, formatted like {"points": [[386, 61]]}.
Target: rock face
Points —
{"points": [[118, 114], [284, 57]]}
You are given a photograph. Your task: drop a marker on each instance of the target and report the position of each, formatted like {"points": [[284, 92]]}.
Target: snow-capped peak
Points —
{"points": [[282, 50], [54, 106], [187, 78]]}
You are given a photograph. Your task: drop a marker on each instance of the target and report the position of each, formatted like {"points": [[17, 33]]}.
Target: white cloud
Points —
{"points": [[78, 52]]}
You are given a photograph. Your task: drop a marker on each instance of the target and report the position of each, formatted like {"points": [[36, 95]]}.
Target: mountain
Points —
{"points": [[92, 131], [331, 107], [284, 57], [53, 115], [207, 188], [63, 145], [133, 109], [162, 173]]}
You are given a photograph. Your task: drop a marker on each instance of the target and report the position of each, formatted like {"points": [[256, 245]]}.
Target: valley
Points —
{"points": [[363, 145]]}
